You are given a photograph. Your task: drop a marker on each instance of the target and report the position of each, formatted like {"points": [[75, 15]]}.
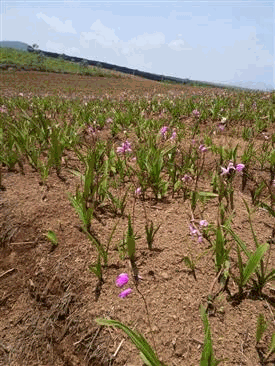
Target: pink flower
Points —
{"points": [[193, 231], [202, 148], [186, 178], [125, 147], [92, 130], [203, 223], [138, 191], [174, 135], [122, 279], [200, 239], [221, 127], [196, 113], [125, 293], [240, 167], [227, 170], [163, 130]]}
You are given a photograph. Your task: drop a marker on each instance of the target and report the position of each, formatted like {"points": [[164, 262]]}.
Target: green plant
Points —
{"points": [[250, 267], [118, 203], [262, 326], [85, 213], [56, 148], [97, 268], [151, 163], [191, 262], [207, 357], [147, 353], [131, 241], [221, 250], [150, 233], [51, 236]]}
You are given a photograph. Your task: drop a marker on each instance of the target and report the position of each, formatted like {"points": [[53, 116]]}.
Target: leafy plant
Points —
{"points": [[56, 148], [150, 233], [97, 268], [131, 241], [262, 326], [207, 357], [220, 249], [247, 270], [51, 236], [147, 353]]}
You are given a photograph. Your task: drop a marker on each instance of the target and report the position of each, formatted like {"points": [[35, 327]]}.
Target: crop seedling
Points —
{"points": [[262, 326], [51, 236]]}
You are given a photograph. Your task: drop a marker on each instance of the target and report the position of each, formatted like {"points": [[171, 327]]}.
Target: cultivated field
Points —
{"points": [[172, 185]]}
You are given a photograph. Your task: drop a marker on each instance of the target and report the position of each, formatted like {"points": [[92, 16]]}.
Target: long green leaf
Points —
{"points": [[270, 276], [131, 242], [272, 345], [268, 208], [139, 341], [261, 327], [238, 240], [253, 262], [220, 249], [207, 357]]}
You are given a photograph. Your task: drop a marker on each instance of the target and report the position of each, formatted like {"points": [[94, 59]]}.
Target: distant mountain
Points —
{"points": [[15, 44]]}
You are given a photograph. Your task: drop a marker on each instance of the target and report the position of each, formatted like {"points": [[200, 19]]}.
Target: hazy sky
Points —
{"points": [[221, 41]]}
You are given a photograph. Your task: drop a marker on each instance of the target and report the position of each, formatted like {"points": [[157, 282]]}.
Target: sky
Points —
{"points": [[227, 42]]}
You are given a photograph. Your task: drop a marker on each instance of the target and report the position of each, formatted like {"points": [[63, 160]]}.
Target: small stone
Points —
{"points": [[165, 275]]}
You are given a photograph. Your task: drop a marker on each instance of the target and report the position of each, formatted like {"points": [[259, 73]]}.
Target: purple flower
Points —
{"points": [[193, 231], [221, 127], [163, 130], [240, 167], [138, 191], [125, 293], [200, 239], [196, 113], [91, 130], [202, 148], [227, 170], [125, 147], [122, 279], [174, 135], [203, 223], [186, 178], [224, 171]]}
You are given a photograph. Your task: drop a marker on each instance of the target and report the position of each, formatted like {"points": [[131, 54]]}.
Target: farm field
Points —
{"points": [[173, 185]]}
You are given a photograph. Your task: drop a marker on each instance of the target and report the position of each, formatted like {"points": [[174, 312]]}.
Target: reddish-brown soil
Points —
{"points": [[47, 297]]}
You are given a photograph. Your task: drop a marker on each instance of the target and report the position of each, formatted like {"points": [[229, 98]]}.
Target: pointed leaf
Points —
{"points": [[138, 340], [272, 345], [253, 262], [261, 327]]}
